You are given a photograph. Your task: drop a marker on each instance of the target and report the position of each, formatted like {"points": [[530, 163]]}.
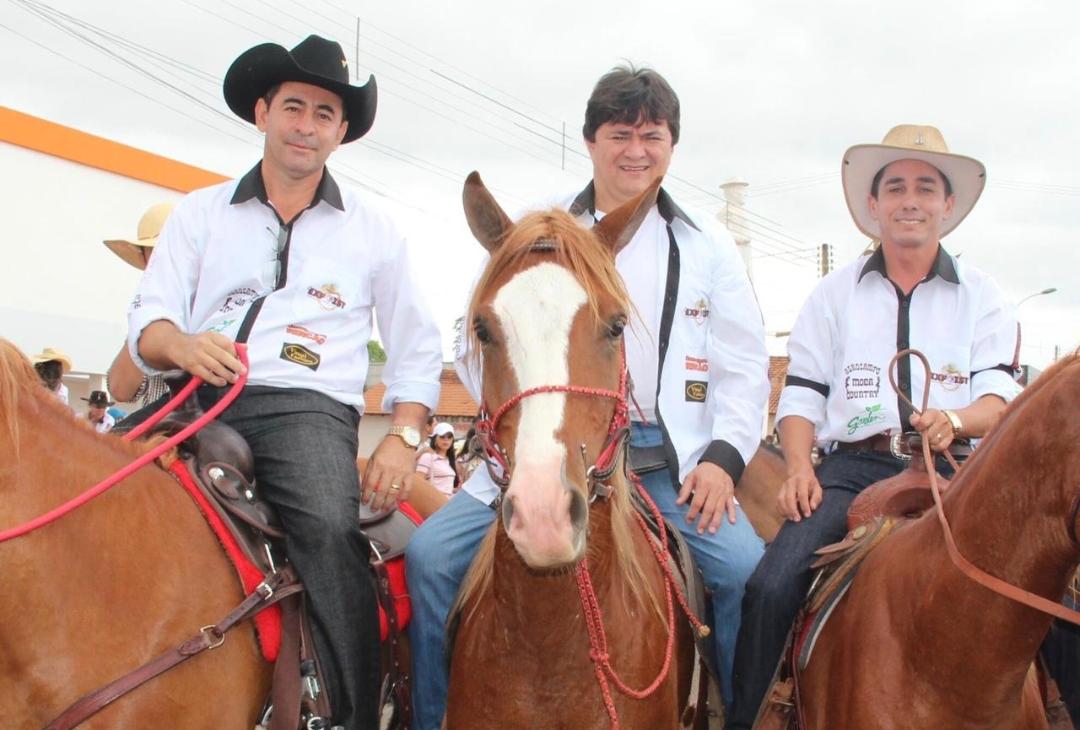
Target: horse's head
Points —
{"points": [[546, 321]]}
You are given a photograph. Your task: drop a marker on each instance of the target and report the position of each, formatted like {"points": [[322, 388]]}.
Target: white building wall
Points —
{"points": [[56, 215]]}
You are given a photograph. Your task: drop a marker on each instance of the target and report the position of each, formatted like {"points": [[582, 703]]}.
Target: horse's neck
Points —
{"points": [[531, 601], [1010, 525]]}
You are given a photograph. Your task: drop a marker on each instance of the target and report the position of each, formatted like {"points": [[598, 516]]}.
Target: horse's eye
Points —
{"points": [[481, 331], [615, 330]]}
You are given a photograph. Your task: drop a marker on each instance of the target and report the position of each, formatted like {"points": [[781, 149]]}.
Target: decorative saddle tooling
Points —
{"points": [[217, 472]]}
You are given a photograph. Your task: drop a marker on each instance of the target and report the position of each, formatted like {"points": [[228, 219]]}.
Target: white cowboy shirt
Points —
{"points": [[323, 276], [856, 320]]}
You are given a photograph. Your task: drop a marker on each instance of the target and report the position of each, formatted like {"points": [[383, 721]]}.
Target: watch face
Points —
{"points": [[411, 436]]}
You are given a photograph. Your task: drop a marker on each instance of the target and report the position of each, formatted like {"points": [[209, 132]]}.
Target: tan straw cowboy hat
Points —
{"points": [[150, 226], [909, 142], [51, 353]]}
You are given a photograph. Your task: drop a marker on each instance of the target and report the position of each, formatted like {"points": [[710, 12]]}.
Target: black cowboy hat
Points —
{"points": [[98, 399], [316, 61]]}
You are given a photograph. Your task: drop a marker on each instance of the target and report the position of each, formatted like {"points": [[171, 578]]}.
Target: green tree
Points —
{"points": [[375, 352]]}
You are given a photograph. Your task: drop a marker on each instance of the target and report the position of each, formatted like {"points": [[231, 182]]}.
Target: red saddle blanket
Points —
{"points": [[268, 621]]}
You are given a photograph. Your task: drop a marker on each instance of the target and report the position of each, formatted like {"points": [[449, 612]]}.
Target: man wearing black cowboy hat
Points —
{"points": [[98, 411], [290, 263]]}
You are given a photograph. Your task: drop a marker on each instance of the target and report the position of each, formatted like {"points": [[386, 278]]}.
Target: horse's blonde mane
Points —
{"points": [[638, 588]]}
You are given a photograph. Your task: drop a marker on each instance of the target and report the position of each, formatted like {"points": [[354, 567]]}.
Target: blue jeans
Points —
{"points": [[777, 588], [436, 560], [726, 559]]}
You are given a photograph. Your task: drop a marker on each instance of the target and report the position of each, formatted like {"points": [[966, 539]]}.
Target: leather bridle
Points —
{"points": [[599, 473]]}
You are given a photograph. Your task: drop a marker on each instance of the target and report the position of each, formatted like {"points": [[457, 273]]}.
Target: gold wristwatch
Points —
{"points": [[408, 434], [954, 421]]}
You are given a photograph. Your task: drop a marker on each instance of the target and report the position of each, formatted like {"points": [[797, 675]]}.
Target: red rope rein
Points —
{"points": [[101, 487], [590, 604]]}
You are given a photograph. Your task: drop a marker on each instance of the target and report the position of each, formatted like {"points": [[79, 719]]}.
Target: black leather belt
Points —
{"points": [[899, 445], [646, 459]]}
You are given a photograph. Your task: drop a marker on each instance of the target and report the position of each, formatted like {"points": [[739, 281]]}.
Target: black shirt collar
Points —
{"points": [[669, 210], [944, 266], [251, 185]]}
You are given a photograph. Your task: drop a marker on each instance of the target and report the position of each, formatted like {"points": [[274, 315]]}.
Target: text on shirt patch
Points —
{"points": [[862, 380], [327, 296], [297, 353], [950, 379], [699, 364], [696, 391], [237, 298], [295, 329], [699, 312], [873, 414], [136, 302]]}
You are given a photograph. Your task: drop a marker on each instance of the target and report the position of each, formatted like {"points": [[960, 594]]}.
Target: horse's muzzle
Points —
{"points": [[547, 523]]}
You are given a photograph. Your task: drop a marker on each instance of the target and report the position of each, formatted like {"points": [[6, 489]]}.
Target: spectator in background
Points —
{"points": [[124, 380], [438, 464], [51, 366], [98, 414], [469, 459]]}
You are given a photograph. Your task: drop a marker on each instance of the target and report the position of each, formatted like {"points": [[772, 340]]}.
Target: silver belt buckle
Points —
{"points": [[894, 447]]}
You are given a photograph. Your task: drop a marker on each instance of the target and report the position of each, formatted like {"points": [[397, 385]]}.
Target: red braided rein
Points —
{"points": [[590, 604]]}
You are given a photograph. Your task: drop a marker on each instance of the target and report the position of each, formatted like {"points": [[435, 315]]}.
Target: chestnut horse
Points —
{"points": [[111, 585], [548, 313], [115, 583], [915, 643]]}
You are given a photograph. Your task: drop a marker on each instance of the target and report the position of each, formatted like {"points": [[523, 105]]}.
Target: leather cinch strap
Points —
{"points": [[276, 587]]}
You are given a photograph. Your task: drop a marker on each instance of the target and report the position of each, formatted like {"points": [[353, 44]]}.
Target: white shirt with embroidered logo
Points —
{"points": [[218, 253], [849, 330]]}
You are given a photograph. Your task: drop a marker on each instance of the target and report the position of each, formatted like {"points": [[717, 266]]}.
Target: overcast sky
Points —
{"points": [[772, 94]]}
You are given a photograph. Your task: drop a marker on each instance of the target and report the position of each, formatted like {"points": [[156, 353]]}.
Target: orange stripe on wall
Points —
{"points": [[57, 140]]}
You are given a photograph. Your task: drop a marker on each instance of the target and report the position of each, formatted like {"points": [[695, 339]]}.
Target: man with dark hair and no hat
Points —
{"points": [[907, 193], [285, 260], [696, 354]]}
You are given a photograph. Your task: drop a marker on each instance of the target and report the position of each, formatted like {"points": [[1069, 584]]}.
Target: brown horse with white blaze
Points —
{"points": [[110, 585], [547, 319], [916, 643]]}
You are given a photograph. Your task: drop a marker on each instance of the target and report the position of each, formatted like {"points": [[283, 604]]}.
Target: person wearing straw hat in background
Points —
{"points": [[52, 365], [908, 193], [296, 266], [125, 381]]}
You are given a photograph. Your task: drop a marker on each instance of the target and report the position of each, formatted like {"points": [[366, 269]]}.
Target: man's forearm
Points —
{"points": [[156, 344], [410, 414], [797, 442], [978, 418]]}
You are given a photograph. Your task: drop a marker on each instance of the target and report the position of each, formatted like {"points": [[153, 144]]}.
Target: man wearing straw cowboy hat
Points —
{"points": [[908, 192], [51, 366], [125, 381], [294, 265]]}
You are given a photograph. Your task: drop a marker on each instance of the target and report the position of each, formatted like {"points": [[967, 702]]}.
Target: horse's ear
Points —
{"points": [[486, 219], [619, 226]]}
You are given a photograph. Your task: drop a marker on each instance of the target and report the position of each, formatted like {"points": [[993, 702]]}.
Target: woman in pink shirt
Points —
{"points": [[437, 465]]}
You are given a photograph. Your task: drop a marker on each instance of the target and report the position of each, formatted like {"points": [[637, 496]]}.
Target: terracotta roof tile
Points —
{"points": [[777, 373], [454, 399]]}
